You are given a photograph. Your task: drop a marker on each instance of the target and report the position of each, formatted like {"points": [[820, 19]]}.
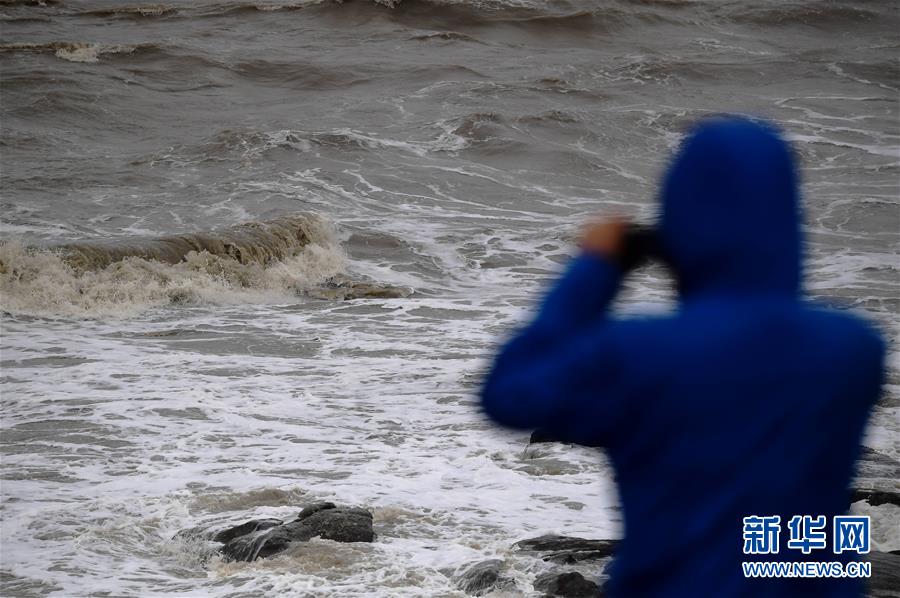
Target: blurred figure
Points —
{"points": [[748, 401]]}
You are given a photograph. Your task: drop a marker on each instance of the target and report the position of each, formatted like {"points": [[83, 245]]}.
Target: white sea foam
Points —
{"points": [[892, 151], [223, 424]]}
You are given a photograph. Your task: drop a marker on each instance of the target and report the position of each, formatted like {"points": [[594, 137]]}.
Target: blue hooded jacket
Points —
{"points": [[747, 401]]}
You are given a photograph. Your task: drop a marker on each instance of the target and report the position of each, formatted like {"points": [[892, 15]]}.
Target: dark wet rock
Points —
{"points": [[885, 580], [342, 289], [224, 535], [192, 534], [315, 508], [323, 520], [258, 545], [483, 577], [567, 550], [341, 524], [227, 535], [570, 584], [876, 498]]}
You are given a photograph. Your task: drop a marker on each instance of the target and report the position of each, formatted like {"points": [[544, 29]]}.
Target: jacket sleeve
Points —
{"points": [[561, 372]]}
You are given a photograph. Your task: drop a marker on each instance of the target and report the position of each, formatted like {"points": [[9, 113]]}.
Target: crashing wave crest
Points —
{"points": [[256, 262], [75, 51]]}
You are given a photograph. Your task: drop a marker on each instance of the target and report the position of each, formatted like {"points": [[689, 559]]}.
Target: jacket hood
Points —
{"points": [[730, 216]]}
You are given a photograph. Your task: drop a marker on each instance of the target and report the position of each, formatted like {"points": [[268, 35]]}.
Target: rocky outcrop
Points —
{"points": [[341, 288], [227, 535], [876, 498], [567, 550], [884, 583], [261, 538], [484, 577], [323, 520], [570, 584]]}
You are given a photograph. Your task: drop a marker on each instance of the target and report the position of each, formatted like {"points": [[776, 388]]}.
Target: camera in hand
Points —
{"points": [[640, 246]]}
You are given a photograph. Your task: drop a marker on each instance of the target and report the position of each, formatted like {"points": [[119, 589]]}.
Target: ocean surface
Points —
{"points": [[439, 157]]}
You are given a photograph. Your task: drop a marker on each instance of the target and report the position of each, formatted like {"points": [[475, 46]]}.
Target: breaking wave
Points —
{"points": [[75, 51], [250, 243], [149, 10], [255, 262]]}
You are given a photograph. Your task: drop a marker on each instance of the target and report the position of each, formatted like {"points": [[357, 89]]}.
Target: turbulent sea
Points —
{"points": [[438, 157]]}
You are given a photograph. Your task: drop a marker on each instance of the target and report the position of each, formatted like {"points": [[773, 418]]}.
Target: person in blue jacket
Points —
{"points": [[747, 401]]}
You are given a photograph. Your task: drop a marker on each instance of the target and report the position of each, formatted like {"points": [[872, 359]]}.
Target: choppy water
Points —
{"points": [[447, 152]]}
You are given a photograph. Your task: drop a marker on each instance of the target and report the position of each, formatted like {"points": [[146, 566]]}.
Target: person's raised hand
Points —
{"points": [[604, 238]]}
